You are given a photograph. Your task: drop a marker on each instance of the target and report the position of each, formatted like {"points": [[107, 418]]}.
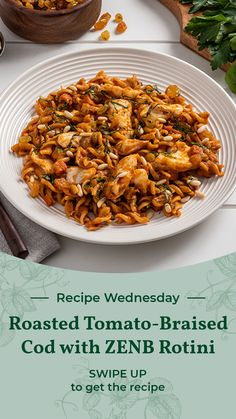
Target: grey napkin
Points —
{"points": [[40, 242]]}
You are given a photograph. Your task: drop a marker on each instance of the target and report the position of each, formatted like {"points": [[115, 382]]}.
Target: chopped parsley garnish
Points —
{"points": [[99, 192], [92, 91], [164, 186], [59, 118], [105, 130], [117, 104], [150, 109], [199, 145], [49, 178], [181, 126], [59, 149], [63, 106], [73, 128], [150, 89], [165, 153], [107, 148]]}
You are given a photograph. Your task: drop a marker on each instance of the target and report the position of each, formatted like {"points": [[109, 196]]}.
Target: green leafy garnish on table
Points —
{"points": [[215, 29], [230, 77]]}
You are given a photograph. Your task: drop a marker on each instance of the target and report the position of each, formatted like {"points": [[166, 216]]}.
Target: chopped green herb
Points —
{"points": [[59, 149], [49, 178], [150, 89], [155, 87], [63, 106], [164, 186], [37, 148], [150, 109], [73, 128], [92, 91], [117, 104], [104, 93], [107, 148], [165, 153], [105, 130], [50, 128], [87, 185], [99, 192], [199, 145], [181, 126], [60, 118]]}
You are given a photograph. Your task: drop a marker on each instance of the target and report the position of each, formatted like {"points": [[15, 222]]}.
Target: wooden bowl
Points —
{"points": [[53, 26]]}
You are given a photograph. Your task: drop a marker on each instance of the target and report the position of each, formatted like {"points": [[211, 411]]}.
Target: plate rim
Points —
{"points": [[114, 49]]}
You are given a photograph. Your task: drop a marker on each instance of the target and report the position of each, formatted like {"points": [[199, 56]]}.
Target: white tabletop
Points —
{"points": [[150, 26]]}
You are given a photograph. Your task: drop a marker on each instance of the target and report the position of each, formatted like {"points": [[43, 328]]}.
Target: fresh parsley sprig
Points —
{"points": [[215, 29]]}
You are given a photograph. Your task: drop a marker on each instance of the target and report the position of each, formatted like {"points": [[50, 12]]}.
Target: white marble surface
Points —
{"points": [[150, 26]]}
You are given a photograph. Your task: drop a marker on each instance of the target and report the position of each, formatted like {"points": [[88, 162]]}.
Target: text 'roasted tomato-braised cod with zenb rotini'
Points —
{"points": [[112, 150]]}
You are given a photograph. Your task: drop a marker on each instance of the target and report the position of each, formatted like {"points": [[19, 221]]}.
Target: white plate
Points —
{"points": [[199, 89]]}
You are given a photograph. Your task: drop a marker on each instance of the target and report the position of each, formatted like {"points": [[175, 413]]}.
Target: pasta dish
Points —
{"points": [[114, 150]]}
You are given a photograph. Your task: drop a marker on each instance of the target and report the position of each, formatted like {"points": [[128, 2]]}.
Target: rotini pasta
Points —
{"points": [[113, 150]]}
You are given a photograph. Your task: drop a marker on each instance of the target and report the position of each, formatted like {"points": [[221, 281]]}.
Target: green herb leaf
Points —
{"points": [[107, 147], [181, 126], [230, 78], [49, 178], [215, 29], [198, 5], [164, 186], [232, 41], [150, 89], [92, 91], [220, 55], [73, 128], [117, 104], [63, 106], [207, 29], [105, 130], [199, 145]]}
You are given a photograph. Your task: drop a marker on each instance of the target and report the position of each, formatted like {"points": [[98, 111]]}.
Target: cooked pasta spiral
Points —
{"points": [[109, 150]]}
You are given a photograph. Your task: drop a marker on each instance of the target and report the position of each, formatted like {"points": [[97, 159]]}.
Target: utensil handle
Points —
{"points": [[12, 236]]}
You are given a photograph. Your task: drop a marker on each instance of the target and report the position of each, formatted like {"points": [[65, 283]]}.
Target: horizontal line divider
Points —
{"points": [[39, 298]]}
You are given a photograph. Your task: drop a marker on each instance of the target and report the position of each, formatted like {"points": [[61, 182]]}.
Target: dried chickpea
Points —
{"points": [[105, 36], [118, 18], [121, 27]]}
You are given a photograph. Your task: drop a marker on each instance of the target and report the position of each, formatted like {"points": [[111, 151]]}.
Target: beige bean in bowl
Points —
{"points": [[49, 26]]}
